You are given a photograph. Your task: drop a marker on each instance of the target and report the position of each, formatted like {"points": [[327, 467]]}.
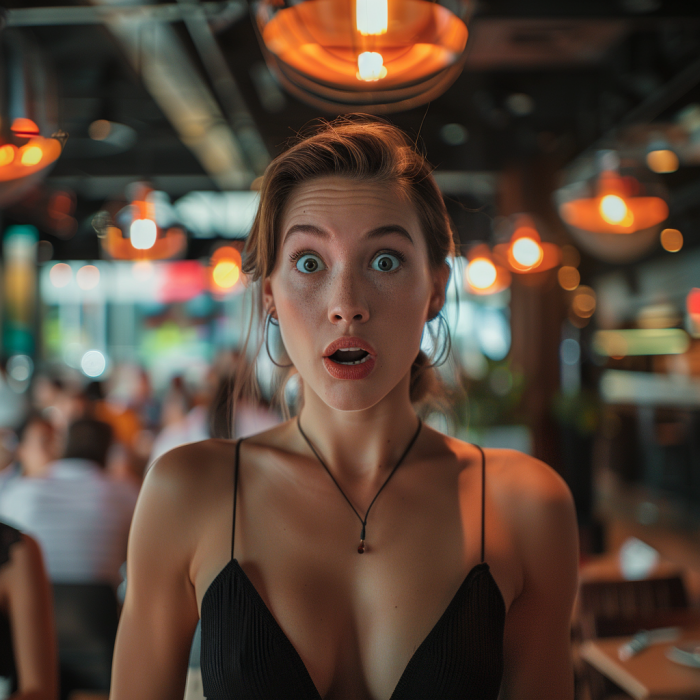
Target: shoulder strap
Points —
{"points": [[483, 496], [235, 493]]}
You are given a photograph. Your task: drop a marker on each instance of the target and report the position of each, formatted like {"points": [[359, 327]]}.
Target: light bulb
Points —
{"points": [[613, 209], [481, 273], [527, 252], [143, 234], [31, 155], [370, 65], [372, 16]]}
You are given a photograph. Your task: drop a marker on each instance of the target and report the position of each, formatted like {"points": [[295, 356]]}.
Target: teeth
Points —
{"points": [[349, 349], [356, 362]]}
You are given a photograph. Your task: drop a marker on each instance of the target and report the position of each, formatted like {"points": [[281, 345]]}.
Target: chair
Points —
{"points": [[86, 626]]}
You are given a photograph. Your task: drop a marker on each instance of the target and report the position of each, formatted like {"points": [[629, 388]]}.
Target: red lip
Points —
{"points": [[338, 371], [349, 342]]}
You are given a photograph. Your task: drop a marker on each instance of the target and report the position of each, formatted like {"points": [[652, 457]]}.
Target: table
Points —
{"points": [[649, 674]]}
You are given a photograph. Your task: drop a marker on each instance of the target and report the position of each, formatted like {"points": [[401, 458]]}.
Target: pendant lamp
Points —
{"points": [[613, 210], [525, 252], [141, 230], [484, 273], [29, 139], [363, 55]]}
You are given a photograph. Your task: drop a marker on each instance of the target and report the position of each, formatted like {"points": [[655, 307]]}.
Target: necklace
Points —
{"points": [[361, 547]]}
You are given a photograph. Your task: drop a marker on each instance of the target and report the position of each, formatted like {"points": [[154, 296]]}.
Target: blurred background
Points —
{"points": [[565, 139]]}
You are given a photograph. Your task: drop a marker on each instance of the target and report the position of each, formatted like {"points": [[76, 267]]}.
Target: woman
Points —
{"points": [[28, 663], [467, 571]]}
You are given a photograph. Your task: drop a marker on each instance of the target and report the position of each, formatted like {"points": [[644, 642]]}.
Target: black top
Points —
{"points": [[246, 654], [8, 537]]}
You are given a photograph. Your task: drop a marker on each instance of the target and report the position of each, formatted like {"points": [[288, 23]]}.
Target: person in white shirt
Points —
{"points": [[79, 515]]}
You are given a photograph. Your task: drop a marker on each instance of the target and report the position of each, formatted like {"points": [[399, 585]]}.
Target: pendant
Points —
{"points": [[361, 548]]}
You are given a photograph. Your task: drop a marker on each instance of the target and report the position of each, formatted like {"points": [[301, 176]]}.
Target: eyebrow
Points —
{"points": [[374, 233]]}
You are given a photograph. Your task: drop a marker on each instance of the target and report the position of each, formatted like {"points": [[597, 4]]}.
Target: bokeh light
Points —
{"points": [[671, 240], [87, 277], [481, 273], [569, 277], [93, 363], [662, 160], [60, 275]]}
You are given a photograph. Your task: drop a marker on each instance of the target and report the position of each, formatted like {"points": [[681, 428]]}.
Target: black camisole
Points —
{"points": [[247, 656]]}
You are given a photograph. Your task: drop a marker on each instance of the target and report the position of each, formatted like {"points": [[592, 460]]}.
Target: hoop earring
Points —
{"points": [[444, 353], [270, 321]]}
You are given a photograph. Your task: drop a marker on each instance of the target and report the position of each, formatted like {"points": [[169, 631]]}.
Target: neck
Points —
{"points": [[360, 446]]}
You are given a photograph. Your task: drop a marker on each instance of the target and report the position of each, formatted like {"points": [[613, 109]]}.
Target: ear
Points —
{"points": [[268, 297], [441, 278]]}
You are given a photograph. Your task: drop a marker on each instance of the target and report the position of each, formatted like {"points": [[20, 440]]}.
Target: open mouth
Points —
{"points": [[350, 356]]}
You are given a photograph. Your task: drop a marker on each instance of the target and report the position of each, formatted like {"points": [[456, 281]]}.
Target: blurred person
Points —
{"points": [[351, 552], [183, 419], [13, 405], [79, 516], [28, 665], [36, 447]]}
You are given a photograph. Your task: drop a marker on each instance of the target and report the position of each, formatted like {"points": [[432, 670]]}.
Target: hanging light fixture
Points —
{"points": [[614, 210], [29, 139], [369, 55], [619, 204], [484, 274], [526, 252], [141, 230]]}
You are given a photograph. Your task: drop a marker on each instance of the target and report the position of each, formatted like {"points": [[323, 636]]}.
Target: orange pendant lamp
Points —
{"points": [[371, 55], [484, 273], [618, 204], [136, 235], [526, 252], [29, 140]]}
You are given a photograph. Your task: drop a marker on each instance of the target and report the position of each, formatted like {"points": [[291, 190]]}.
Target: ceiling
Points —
{"points": [[544, 82]]}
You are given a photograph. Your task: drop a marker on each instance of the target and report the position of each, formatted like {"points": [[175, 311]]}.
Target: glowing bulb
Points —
{"points": [[143, 234], [662, 161], [671, 240], [372, 16], [7, 154], [31, 155], [370, 66], [226, 274], [527, 252], [481, 273], [60, 275], [613, 209], [87, 277]]}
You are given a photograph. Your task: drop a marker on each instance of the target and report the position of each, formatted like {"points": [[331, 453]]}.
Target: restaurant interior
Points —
{"points": [[565, 140]]}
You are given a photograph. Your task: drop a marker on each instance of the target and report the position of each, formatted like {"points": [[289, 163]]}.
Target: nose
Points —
{"points": [[347, 303]]}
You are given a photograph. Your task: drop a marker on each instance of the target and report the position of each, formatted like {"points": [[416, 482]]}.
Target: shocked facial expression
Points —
{"points": [[352, 288]]}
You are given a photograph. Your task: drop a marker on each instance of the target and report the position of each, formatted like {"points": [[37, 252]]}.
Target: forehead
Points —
{"points": [[345, 203]]}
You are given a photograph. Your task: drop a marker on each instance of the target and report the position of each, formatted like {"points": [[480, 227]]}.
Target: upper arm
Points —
{"points": [[160, 610], [30, 608], [537, 633]]}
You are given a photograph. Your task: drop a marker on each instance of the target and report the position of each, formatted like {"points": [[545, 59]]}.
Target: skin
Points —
{"points": [[37, 449], [355, 620], [25, 596]]}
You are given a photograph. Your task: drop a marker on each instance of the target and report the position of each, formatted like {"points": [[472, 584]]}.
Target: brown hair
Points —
{"points": [[359, 148]]}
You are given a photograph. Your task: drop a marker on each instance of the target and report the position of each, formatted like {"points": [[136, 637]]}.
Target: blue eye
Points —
{"points": [[310, 263], [385, 262]]}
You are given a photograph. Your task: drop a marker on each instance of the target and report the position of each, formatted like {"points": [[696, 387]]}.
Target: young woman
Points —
{"points": [[351, 553], [28, 663]]}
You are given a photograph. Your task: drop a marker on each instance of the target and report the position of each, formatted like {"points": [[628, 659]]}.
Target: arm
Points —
{"points": [[30, 608], [160, 610], [537, 646]]}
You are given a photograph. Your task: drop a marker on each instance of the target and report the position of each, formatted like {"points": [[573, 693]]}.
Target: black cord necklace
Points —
{"points": [[361, 547]]}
